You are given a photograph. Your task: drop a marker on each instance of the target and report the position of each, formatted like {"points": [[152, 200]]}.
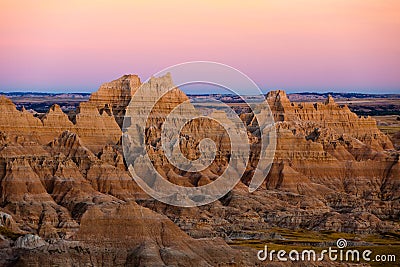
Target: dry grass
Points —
{"points": [[383, 244], [390, 125]]}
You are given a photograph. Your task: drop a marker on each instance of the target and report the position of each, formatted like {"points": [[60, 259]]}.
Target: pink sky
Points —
{"points": [[297, 45]]}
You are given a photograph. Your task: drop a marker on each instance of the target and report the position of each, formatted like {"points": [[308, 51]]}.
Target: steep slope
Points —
{"points": [[332, 171], [96, 129], [66, 192], [113, 97]]}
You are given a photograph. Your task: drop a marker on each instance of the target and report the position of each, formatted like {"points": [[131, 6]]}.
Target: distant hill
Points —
{"points": [[40, 94], [41, 102], [360, 103]]}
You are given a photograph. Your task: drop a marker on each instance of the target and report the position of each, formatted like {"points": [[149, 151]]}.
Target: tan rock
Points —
{"points": [[66, 181]]}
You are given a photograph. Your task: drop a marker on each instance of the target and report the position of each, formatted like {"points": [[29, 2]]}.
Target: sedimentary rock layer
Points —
{"points": [[67, 198]]}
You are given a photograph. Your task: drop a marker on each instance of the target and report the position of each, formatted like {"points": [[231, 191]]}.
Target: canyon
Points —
{"points": [[67, 197]]}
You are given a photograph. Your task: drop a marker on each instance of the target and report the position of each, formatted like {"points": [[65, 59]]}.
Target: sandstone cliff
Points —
{"points": [[67, 197], [96, 129], [113, 97]]}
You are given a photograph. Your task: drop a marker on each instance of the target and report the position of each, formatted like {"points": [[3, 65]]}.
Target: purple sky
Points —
{"points": [[297, 45]]}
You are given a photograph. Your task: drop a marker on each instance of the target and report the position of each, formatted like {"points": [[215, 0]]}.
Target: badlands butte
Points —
{"points": [[67, 198]]}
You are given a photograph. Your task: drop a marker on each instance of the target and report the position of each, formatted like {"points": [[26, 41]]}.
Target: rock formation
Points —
{"points": [[328, 116], [332, 171], [67, 198], [113, 97], [96, 129]]}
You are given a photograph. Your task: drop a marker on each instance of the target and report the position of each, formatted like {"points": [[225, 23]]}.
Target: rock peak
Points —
{"points": [[278, 102], [330, 101], [128, 76], [276, 93], [55, 108], [116, 94], [6, 101], [278, 96], [164, 81], [116, 90]]}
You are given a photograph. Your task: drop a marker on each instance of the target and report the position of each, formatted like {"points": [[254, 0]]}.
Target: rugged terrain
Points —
{"points": [[68, 199]]}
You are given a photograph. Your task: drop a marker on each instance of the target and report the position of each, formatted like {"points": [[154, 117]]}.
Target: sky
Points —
{"points": [[296, 45]]}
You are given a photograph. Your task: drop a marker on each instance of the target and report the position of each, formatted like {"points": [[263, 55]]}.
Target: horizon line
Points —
{"points": [[210, 93]]}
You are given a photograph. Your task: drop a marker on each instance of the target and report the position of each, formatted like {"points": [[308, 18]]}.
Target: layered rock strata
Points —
{"points": [[67, 198]]}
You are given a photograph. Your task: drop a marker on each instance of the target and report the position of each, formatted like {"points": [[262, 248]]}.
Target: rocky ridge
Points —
{"points": [[66, 192]]}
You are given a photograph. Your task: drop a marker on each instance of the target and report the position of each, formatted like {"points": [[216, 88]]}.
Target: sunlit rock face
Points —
{"points": [[63, 181], [96, 129], [327, 117], [332, 170], [113, 97]]}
